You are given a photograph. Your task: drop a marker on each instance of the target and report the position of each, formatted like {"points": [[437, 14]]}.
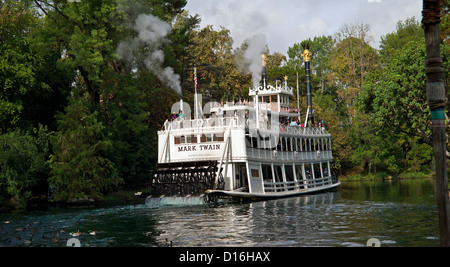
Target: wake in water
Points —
{"points": [[175, 201]]}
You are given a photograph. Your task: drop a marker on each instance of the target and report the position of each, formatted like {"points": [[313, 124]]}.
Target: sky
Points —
{"points": [[286, 22]]}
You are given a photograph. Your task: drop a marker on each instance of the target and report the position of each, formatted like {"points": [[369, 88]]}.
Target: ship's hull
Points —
{"points": [[212, 194]]}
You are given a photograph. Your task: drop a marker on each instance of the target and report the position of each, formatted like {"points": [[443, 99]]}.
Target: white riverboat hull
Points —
{"points": [[246, 195]]}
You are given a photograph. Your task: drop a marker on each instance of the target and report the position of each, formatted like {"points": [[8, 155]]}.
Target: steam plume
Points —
{"points": [[151, 36], [251, 62]]}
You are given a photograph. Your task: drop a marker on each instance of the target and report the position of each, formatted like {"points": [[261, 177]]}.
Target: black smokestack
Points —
{"points": [[307, 59], [264, 70]]}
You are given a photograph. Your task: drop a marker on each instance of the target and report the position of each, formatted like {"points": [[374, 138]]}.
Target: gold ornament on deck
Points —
{"points": [[264, 59]]}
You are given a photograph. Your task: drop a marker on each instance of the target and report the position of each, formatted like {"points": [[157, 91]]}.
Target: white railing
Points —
{"points": [[289, 155], [272, 187], [237, 121]]}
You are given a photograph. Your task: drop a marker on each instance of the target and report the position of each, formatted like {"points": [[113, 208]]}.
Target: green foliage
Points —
{"points": [[420, 156], [80, 166], [393, 99], [18, 63], [125, 117], [23, 164], [406, 31]]}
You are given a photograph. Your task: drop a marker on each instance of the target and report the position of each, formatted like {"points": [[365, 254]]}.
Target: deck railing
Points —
{"points": [[289, 155], [237, 121], [273, 187]]}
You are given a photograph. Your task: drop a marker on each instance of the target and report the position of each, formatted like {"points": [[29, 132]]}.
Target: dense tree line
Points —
{"points": [[86, 85]]}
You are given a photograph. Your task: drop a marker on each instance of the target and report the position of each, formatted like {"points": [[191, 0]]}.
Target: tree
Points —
{"points": [[90, 30], [211, 53], [320, 49], [32, 84], [352, 58], [393, 99], [124, 108], [80, 166], [326, 109], [23, 164], [406, 31]]}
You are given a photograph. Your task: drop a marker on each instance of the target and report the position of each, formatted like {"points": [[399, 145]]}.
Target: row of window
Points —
{"points": [[284, 99], [289, 172], [289, 143], [193, 139]]}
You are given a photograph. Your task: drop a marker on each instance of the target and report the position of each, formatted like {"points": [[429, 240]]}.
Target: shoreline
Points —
{"points": [[385, 176]]}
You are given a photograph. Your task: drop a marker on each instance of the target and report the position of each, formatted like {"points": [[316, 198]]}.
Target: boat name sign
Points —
{"points": [[198, 148]]}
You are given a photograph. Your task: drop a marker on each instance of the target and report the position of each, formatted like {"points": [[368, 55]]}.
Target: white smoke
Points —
{"points": [[256, 46], [251, 63], [151, 37]]}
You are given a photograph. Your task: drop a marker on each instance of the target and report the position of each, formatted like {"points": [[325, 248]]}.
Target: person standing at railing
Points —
{"points": [[180, 115]]}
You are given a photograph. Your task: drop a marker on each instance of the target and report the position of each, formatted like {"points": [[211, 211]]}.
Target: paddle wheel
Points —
{"points": [[184, 178]]}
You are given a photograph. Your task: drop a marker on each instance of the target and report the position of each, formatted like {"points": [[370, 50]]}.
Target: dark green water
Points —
{"points": [[399, 213]]}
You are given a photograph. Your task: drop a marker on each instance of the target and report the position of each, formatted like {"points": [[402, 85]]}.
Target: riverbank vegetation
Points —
{"points": [[84, 86]]}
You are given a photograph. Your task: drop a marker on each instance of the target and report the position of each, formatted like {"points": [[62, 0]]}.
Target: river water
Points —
{"points": [[397, 213]]}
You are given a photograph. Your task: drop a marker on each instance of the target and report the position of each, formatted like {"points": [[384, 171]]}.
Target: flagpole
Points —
{"points": [[298, 101], [195, 95]]}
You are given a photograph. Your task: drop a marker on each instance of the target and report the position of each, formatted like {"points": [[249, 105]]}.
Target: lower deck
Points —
{"points": [[250, 178], [258, 177]]}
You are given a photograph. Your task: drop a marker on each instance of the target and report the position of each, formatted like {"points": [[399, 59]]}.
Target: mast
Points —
{"points": [[436, 97], [197, 99], [264, 80], [307, 59]]}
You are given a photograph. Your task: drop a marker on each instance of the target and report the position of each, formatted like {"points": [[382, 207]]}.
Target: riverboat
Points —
{"points": [[245, 149]]}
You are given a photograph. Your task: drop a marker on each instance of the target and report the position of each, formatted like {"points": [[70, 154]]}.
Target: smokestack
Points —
{"points": [[264, 70], [307, 59]]}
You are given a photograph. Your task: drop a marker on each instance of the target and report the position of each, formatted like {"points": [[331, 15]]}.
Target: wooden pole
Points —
{"points": [[436, 97]]}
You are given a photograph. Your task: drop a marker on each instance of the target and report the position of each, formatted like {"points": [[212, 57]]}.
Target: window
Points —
{"points": [[218, 137], [289, 171], [267, 172], [205, 138], [300, 179], [188, 139], [255, 173], [278, 173], [177, 140]]}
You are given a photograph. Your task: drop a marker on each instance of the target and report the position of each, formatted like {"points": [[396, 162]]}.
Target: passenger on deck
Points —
{"points": [[180, 115]]}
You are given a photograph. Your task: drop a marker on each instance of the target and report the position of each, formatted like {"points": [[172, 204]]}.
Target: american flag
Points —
{"points": [[195, 79]]}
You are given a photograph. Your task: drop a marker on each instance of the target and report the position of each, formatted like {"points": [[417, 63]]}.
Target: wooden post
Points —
{"points": [[436, 100]]}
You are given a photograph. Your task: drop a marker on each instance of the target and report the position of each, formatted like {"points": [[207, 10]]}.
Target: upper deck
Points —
{"points": [[221, 124]]}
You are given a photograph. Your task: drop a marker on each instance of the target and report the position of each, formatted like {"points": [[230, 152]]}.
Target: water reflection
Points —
{"points": [[400, 213]]}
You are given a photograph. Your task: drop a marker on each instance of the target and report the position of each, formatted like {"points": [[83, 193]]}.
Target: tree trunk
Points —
{"points": [[436, 100]]}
